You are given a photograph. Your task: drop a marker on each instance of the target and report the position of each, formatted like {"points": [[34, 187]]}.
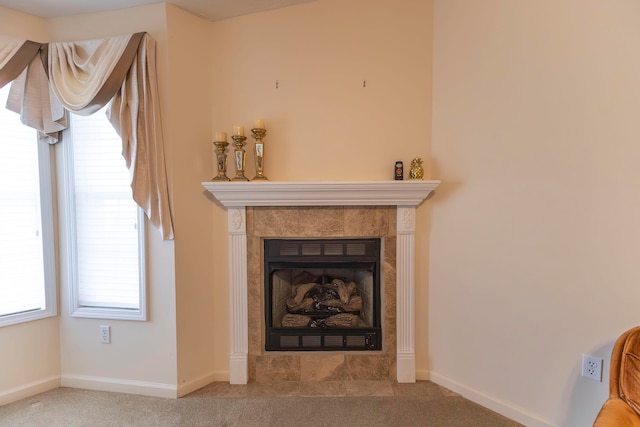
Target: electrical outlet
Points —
{"points": [[105, 334], [592, 368]]}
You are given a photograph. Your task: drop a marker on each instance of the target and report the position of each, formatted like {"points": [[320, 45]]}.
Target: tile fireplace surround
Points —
{"points": [[384, 209]]}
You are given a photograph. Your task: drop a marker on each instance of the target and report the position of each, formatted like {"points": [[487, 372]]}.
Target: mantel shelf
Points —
{"points": [[327, 193]]}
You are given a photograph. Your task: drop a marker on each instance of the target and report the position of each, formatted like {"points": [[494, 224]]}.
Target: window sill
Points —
{"points": [[110, 313], [15, 319]]}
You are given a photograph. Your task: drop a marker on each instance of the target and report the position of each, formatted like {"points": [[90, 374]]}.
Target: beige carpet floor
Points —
{"points": [[349, 403]]}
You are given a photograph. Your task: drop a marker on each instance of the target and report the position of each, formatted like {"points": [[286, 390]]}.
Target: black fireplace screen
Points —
{"points": [[322, 294]]}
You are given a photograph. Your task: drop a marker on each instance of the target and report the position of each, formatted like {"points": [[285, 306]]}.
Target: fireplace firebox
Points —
{"points": [[322, 294]]}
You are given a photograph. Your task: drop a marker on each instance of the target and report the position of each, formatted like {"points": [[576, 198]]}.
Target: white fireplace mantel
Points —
{"points": [[236, 196], [338, 193]]}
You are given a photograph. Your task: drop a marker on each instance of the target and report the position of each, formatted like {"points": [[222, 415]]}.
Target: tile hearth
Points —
{"points": [[327, 388]]}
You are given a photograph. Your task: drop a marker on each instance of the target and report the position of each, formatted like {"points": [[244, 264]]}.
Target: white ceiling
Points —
{"points": [[213, 10]]}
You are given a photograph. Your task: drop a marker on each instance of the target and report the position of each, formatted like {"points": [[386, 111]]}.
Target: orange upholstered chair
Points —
{"points": [[622, 409]]}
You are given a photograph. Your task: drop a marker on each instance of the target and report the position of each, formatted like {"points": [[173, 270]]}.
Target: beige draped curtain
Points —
{"points": [[51, 79]]}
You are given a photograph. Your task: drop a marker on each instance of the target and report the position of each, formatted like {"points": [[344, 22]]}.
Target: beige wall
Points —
{"points": [[322, 123], [21, 25], [189, 129], [535, 234], [33, 362], [142, 354]]}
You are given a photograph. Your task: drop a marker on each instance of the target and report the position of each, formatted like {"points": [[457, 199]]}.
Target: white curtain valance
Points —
{"points": [[84, 76], [78, 70]]}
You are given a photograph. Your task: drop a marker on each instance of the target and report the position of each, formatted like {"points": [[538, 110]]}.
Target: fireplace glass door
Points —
{"points": [[322, 294]]}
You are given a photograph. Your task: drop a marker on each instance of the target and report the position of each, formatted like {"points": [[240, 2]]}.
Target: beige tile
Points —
{"points": [[321, 222], [392, 213], [255, 284], [369, 388], [366, 367], [272, 368], [255, 323], [256, 336], [390, 251], [249, 210], [254, 251], [393, 368], [320, 367], [255, 293], [390, 387], [365, 221], [389, 290], [276, 221], [423, 389], [323, 388], [251, 367], [389, 333]]}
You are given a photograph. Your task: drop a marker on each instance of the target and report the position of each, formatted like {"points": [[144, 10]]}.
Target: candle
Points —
{"points": [[221, 136], [259, 124], [238, 130]]}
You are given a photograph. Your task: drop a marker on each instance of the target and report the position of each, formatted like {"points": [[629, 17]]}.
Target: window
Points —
{"points": [[105, 227], [27, 256]]}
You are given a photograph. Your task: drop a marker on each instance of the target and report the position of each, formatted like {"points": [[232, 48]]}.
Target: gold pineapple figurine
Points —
{"points": [[416, 171]]}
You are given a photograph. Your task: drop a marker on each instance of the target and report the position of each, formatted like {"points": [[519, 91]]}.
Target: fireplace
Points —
{"points": [[376, 208], [322, 294]]}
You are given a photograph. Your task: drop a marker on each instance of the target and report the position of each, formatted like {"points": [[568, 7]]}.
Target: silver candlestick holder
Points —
{"points": [[221, 158], [258, 135], [239, 157]]}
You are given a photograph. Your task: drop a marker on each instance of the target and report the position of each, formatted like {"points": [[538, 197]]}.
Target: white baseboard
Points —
{"points": [[221, 376], [422, 375], [120, 386], [110, 384], [28, 390], [516, 414], [193, 385]]}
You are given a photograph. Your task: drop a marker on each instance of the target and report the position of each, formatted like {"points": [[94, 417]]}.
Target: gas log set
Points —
{"points": [[317, 305]]}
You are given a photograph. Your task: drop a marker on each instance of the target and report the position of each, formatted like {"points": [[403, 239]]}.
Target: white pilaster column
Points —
{"points": [[406, 356], [238, 316]]}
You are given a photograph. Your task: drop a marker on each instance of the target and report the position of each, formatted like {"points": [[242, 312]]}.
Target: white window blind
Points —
{"points": [[107, 226], [25, 278]]}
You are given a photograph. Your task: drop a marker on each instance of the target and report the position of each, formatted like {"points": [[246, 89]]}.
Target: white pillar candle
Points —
{"points": [[259, 124], [238, 130], [221, 136]]}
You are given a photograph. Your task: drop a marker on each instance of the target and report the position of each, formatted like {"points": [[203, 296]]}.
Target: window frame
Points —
{"points": [[46, 180], [75, 308]]}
